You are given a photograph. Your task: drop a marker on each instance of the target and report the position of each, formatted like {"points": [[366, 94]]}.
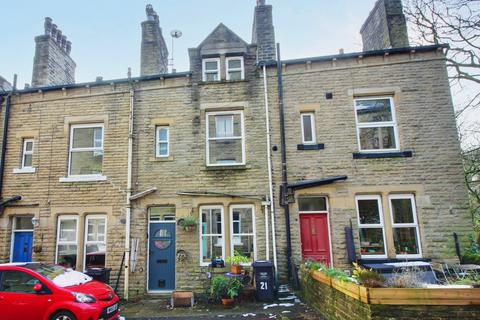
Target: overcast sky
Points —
{"points": [[106, 34]]}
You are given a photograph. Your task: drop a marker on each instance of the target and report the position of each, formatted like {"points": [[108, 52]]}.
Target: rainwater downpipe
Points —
{"points": [[284, 186], [128, 206], [270, 178], [4, 139]]}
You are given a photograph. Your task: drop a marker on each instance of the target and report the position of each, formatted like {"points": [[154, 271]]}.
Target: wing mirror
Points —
{"points": [[38, 287]]}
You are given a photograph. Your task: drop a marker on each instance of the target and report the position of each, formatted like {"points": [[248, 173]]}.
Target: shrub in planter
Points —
{"points": [[225, 289], [236, 262], [367, 277], [189, 223], [471, 258]]}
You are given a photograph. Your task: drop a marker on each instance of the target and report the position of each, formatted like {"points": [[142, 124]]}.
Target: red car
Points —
{"points": [[37, 291]]}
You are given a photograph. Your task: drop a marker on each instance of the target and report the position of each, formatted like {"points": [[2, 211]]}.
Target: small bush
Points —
{"points": [[471, 258], [368, 277], [406, 278]]}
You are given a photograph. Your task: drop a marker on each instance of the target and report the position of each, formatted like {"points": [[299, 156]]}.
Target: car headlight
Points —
{"points": [[83, 298]]}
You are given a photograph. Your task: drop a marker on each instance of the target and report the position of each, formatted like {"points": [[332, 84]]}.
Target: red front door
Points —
{"points": [[315, 237]]}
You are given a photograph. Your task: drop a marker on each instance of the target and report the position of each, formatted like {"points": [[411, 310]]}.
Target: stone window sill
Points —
{"points": [[380, 155], [162, 159], [232, 167], [306, 147], [83, 178], [24, 170]]}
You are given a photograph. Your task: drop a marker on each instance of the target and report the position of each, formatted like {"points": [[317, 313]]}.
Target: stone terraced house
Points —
{"points": [[359, 152]]}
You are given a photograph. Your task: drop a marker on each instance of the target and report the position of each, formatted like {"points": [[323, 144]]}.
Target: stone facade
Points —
{"points": [[263, 34], [154, 55]]}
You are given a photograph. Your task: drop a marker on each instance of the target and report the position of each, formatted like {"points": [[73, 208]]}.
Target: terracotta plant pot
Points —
{"points": [[236, 269], [227, 302], [190, 228]]}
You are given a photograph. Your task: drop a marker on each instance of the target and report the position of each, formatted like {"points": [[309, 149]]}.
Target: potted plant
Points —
{"points": [[225, 289], [189, 223], [236, 262]]}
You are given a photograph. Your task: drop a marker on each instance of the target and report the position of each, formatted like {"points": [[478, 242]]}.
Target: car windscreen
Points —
{"points": [[59, 275]]}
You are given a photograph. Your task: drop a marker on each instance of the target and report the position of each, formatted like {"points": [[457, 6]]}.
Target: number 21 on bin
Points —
{"points": [[263, 285]]}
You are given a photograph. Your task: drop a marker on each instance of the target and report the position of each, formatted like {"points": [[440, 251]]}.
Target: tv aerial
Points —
{"points": [[175, 34]]}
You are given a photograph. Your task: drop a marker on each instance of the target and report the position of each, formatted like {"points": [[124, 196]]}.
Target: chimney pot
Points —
{"points": [[68, 47], [48, 26], [54, 31], [59, 36], [341, 51], [99, 79], [27, 85], [260, 2], [63, 44]]}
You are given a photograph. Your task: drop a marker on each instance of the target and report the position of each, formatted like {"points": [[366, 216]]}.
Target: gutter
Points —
{"points": [[284, 185]]}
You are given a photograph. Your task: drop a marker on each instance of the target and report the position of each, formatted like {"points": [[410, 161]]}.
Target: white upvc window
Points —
{"points": [[235, 68], [371, 226], [242, 231], [225, 138], [406, 234], [376, 124], [211, 231], [67, 241], [211, 69], [162, 142], [95, 246], [308, 128], [86, 150], [27, 155]]}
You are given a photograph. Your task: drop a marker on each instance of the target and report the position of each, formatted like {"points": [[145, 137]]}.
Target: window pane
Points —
{"points": [[86, 162], [211, 76], [211, 65], [212, 221], [244, 246], [68, 230], [377, 138], [87, 137], [402, 211], [27, 160], [225, 151], [235, 64], [28, 146], [223, 126], [96, 229], [161, 213], [163, 149], [307, 128], [378, 110], [23, 223], [67, 255], [245, 220], [95, 255], [211, 248], [312, 204], [371, 241], [17, 281], [162, 134], [406, 241], [369, 212], [235, 75]]}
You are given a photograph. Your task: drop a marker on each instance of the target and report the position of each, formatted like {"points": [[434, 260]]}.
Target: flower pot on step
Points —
{"points": [[236, 269], [227, 302]]}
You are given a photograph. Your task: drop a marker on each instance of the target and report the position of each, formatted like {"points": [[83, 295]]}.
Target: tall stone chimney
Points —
{"points": [[263, 34], [154, 55], [52, 64], [385, 27]]}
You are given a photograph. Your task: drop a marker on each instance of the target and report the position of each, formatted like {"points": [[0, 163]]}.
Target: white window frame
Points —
{"points": [[200, 232], [312, 124], [158, 141], [254, 234], [71, 150], [86, 242], [384, 124], [27, 153], [205, 71], [411, 197], [241, 69], [378, 198], [208, 138], [66, 217]]}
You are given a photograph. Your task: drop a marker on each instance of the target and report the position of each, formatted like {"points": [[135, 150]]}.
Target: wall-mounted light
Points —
{"points": [[35, 222]]}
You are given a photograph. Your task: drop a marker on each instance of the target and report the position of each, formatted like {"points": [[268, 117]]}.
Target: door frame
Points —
{"points": [[148, 255], [12, 236], [327, 213]]}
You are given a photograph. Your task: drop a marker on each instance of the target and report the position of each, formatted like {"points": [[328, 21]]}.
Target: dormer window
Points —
{"points": [[211, 69], [235, 70]]}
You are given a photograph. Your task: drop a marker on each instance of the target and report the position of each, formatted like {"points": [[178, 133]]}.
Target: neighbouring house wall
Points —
{"points": [[426, 124]]}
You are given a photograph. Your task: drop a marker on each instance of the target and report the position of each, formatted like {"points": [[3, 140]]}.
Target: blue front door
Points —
{"points": [[22, 246], [161, 264]]}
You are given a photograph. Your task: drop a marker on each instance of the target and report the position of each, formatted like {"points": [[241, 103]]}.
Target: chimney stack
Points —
{"points": [[385, 27], [263, 34], [52, 64], [154, 55]]}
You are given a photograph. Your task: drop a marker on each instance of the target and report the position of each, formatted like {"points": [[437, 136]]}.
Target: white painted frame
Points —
{"points": [[381, 225], [14, 230], [241, 69], [158, 141], [384, 124], [200, 232], [208, 138], [410, 197], [148, 253], [216, 71], [84, 177], [327, 212], [26, 152], [57, 242], [254, 234], [312, 124], [85, 239]]}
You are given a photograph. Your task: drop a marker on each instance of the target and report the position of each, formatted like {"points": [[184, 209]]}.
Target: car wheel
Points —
{"points": [[63, 315]]}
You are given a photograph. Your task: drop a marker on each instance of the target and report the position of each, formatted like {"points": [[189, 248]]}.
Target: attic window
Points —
{"points": [[235, 70], [211, 69]]}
